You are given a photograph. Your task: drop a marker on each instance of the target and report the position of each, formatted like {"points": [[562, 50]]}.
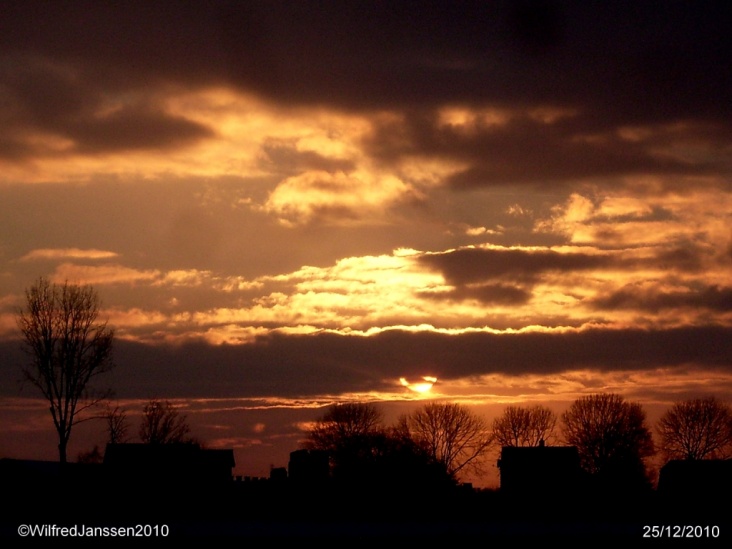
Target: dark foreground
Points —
{"points": [[101, 511]]}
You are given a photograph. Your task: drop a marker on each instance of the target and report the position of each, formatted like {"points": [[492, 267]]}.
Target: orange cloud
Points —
{"points": [[67, 253], [101, 274], [337, 198], [623, 220]]}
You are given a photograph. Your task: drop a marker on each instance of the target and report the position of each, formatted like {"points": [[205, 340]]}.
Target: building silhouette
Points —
{"points": [[177, 463], [539, 469], [309, 466], [701, 478]]}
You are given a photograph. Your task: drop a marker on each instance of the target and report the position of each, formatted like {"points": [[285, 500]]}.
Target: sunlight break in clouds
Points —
{"points": [[464, 288], [459, 290], [420, 387]]}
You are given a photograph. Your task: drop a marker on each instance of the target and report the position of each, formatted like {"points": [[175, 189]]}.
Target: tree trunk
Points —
{"points": [[62, 451]]}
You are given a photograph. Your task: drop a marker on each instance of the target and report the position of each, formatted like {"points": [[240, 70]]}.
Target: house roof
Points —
{"points": [[166, 454], [520, 455]]}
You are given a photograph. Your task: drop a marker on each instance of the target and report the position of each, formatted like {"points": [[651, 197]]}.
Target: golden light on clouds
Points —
{"points": [[67, 253], [419, 386], [369, 294], [101, 274], [632, 221], [326, 173], [470, 119], [239, 125], [337, 198]]}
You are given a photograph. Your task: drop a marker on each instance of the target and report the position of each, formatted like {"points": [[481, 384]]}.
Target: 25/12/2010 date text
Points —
{"points": [[681, 531]]}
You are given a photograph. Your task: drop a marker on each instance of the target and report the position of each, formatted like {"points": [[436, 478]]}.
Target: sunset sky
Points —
{"points": [[283, 205]]}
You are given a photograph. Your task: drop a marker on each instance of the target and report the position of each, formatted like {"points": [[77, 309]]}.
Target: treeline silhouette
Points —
{"points": [[586, 470], [614, 442]]}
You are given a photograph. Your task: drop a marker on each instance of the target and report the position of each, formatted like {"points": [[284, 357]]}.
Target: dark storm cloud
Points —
{"points": [[42, 99], [495, 294], [607, 67], [290, 366], [636, 60], [656, 213], [710, 298], [471, 265], [506, 276], [686, 258], [683, 256], [524, 150], [623, 62], [135, 128]]}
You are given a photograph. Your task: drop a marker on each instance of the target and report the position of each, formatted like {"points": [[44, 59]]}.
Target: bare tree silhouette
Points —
{"points": [[350, 434], [343, 422], [451, 434], [698, 428], [162, 423], [520, 426], [611, 437], [68, 347], [366, 455], [117, 425]]}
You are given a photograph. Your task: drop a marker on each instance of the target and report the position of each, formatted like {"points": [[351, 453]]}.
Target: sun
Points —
{"points": [[421, 386]]}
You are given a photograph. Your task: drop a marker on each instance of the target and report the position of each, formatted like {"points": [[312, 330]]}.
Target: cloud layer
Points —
{"points": [[283, 205]]}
